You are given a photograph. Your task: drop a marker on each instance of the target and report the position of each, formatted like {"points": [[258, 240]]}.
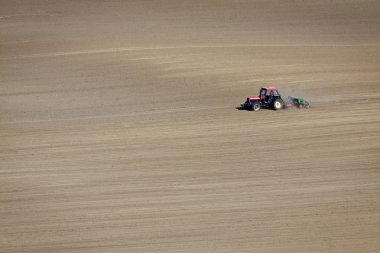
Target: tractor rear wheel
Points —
{"points": [[278, 104], [256, 107]]}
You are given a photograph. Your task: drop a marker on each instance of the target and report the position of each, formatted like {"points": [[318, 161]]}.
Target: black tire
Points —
{"points": [[306, 105], [278, 104], [256, 107]]}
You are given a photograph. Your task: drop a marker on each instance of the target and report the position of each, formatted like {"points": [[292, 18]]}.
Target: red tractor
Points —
{"points": [[269, 97]]}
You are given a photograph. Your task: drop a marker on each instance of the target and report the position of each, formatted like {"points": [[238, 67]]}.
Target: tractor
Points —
{"points": [[269, 97]]}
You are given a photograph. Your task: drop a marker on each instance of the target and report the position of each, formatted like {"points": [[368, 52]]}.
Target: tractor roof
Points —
{"points": [[269, 88]]}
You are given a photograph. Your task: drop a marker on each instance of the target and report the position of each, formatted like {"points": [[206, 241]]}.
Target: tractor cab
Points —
{"points": [[267, 94]]}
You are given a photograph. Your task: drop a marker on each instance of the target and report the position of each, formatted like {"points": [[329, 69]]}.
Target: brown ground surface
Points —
{"points": [[119, 131]]}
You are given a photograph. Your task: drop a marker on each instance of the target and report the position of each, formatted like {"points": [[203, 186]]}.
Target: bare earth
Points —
{"points": [[119, 131]]}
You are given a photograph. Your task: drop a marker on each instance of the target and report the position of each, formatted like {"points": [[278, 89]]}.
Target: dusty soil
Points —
{"points": [[119, 131]]}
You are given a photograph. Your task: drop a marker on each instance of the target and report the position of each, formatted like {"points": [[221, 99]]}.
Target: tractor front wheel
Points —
{"points": [[256, 107]]}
